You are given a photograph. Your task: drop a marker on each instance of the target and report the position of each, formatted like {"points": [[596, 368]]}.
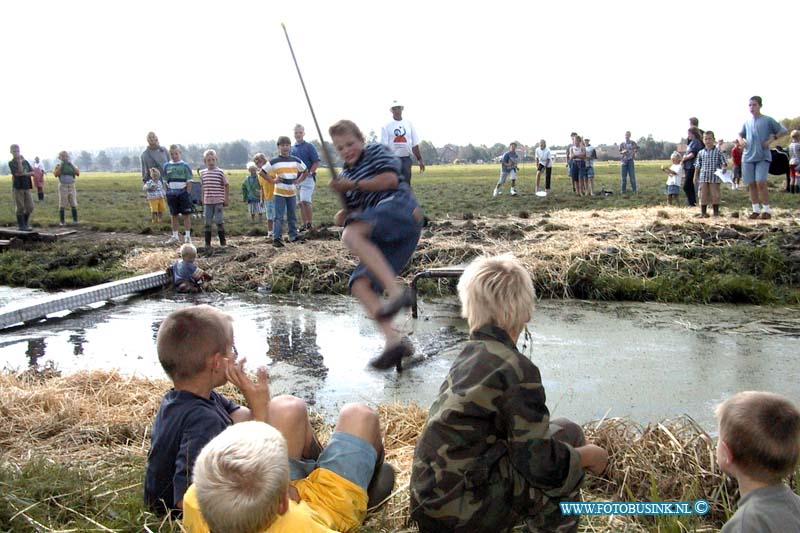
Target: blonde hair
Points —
{"points": [[189, 336], [675, 154], [496, 290], [762, 430], [251, 166], [258, 156], [188, 252], [795, 135], [241, 477], [345, 127], [209, 152]]}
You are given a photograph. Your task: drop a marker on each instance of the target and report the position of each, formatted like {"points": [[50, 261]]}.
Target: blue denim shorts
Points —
{"points": [[269, 209], [349, 456], [754, 172], [395, 232]]}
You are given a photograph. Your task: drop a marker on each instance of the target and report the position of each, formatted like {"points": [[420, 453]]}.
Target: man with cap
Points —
{"points": [[401, 138]]}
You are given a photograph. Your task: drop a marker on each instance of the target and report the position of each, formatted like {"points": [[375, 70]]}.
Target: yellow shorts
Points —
{"points": [[158, 205]]}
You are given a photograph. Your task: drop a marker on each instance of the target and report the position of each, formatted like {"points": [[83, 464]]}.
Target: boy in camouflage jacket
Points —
{"points": [[489, 457]]}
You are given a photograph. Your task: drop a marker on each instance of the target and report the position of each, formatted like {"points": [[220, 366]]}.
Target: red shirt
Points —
{"points": [[736, 155]]}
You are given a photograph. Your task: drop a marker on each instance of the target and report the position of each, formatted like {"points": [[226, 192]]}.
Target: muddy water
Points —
{"points": [[645, 361]]}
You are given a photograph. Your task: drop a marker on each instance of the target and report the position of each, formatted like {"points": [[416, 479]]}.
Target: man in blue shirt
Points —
{"points": [[306, 152], [756, 135]]}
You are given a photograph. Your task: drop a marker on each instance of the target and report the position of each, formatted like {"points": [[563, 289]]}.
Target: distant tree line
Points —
{"points": [[236, 154]]}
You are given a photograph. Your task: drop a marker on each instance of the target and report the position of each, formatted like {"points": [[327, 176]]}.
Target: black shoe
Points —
{"points": [[277, 243], [381, 485], [393, 305], [393, 356], [299, 238]]}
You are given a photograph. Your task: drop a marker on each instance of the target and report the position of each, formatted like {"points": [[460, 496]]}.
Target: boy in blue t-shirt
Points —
{"points": [[178, 178], [195, 348], [508, 168]]}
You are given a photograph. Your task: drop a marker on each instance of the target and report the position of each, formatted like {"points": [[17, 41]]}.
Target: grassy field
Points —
{"points": [[115, 202]]}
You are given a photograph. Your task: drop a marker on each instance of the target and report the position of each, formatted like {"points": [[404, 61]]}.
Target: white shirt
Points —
{"points": [[400, 136], [544, 157], [675, 179]]}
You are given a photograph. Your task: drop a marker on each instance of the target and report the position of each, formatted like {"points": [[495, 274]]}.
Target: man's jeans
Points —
{"points": [[626, 169]]}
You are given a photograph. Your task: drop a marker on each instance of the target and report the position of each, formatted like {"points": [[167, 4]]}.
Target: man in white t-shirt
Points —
{"points": [[401, 138], [544, 163]]}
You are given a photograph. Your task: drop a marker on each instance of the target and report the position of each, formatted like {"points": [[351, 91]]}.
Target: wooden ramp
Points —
{"points": [[454, 271], [25, 312]]}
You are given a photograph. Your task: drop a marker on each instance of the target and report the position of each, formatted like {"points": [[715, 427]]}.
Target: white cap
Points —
{"points": [[395, 103]]}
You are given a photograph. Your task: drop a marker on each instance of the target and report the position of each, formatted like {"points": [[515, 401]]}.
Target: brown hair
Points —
{"points": [[762, 430], [695, 131], [283, 139], [344, 127], [189, 336]]}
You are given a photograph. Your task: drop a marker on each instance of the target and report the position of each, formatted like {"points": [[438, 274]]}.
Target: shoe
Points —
{"points": [[299, 238], [187, 239], [393, 305], [513, 191], [381, 485], [754, 215], [61, 224], [393, 356], [765, 216], [277, 243], [496, 193], [172, 240]]}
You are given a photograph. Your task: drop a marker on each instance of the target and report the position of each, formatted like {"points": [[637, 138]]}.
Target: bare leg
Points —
{"points": [[753, 189], [360, 420], [538, 178], [362, 290], [289, 415], [355, 238], [187, 223], [763, 192], [174, 223]]}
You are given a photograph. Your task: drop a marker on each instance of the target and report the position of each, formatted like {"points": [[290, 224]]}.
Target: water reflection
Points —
{"points": [[77, 340], [35, 351], [294, 341]]}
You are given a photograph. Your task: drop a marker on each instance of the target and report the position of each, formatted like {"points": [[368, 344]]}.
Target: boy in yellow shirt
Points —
{"points": [[251, 478]]}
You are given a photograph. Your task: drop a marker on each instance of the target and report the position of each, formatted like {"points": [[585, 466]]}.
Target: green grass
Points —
{"points": [[115, 202]]}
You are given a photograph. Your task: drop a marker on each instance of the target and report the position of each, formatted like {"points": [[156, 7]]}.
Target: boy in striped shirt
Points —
{"points": [[286, 172], [215, 197]]}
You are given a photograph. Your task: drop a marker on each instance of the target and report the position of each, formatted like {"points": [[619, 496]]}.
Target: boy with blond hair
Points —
{"points": [[251, 192], [66, 172], [186, 275], [489, 456], [252, 478], [267, 191], [759, 445], [178, 178], [154, 188]]}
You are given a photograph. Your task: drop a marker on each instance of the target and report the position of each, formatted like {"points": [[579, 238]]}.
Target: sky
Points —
{"points": [[89, 75]]}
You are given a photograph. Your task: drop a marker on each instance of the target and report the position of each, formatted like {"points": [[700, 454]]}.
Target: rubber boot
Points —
{"points": [[74, 215], [21, 222], [61, 215], [207, 236], [716, 209], [221, 235], [25, 218]]}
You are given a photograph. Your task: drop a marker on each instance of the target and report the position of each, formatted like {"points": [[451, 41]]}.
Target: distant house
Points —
{"points": [[448, 153], [559, 156]]}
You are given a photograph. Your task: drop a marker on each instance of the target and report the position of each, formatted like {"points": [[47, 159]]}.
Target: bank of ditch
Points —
{"points": [[73, 450], [642, 254]]}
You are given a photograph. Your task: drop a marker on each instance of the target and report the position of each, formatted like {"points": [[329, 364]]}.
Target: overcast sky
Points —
{"points": [[90, 75]]}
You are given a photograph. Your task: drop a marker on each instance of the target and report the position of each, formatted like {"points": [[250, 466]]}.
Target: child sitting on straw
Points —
{"points": [[759, 445], [489, 456], [186, 275], [257, 477]]}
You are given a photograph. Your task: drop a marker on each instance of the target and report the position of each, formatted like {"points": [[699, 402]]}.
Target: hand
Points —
{"points": [[256, 393], [421, 166], [765, 144], [342, 185], [593, 458]]}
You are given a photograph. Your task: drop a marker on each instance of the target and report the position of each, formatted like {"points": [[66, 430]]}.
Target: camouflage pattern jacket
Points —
{"points": [[489, 426]]}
